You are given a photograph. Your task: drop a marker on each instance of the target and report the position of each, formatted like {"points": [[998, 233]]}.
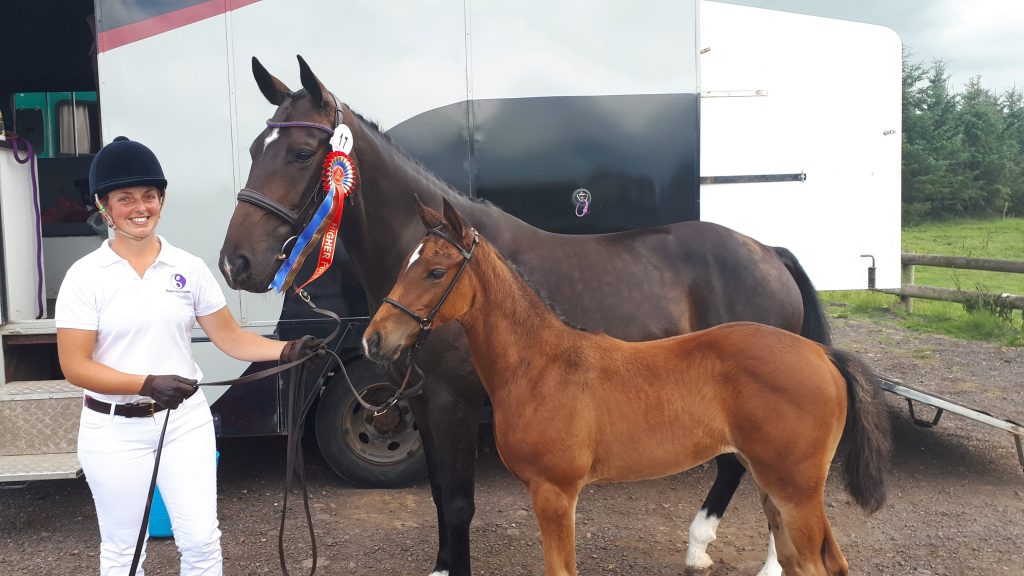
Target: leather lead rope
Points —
{"points": [[402, 393], [149, 499], [296, 413], [298, 404]]}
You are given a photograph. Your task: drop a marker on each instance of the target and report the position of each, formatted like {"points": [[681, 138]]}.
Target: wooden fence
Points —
{"points": [[909, 290]]}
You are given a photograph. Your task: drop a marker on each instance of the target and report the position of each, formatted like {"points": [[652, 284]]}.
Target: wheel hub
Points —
{"points": [[385, 438], [386, 422]]}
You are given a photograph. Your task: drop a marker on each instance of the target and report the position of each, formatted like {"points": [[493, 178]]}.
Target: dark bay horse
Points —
{"points": [[588, 408], [639, 285]]}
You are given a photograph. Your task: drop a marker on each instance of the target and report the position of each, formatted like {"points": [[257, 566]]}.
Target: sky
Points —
{"points": [[973, 37]]}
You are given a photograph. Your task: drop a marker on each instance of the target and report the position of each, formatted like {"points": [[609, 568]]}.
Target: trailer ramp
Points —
{"points": [[942, 405]]}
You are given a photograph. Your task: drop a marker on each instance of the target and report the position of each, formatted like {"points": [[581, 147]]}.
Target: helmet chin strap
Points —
{"points": [[110, 223]]}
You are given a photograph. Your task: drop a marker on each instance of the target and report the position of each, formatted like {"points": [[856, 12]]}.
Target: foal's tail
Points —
{"points": [[866, 447], [815, 326]]}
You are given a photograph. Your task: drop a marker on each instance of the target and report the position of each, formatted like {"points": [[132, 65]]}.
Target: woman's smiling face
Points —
{"points": [[135, 210]]}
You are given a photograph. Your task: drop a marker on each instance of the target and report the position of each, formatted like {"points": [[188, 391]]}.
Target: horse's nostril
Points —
{"points": [[374, 342], [235, 267], [240, 266]]}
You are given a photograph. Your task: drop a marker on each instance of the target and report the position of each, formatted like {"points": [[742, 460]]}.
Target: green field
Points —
{"points": [[1002, 239]]}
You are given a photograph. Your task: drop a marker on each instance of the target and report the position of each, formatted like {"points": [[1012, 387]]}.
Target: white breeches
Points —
{"points": [[117, 455]]}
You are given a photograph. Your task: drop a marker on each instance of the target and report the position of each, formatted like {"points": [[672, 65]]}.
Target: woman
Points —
{"points": [[124, 322]]}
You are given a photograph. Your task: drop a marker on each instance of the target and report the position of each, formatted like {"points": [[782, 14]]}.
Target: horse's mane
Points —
{"points": [[537, 290], [424, 172]]}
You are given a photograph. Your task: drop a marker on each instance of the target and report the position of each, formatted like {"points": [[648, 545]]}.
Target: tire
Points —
{"points": [[369, 451]]}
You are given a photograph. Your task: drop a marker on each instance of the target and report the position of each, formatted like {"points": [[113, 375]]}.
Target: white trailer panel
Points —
{"points": [[787, 93]]}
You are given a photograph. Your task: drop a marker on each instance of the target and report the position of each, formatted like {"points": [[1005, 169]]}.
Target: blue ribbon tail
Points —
{"points": [[301, 242]]}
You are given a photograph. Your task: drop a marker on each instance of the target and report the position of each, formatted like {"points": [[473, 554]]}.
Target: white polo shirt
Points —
{"points": [[143, 325]]}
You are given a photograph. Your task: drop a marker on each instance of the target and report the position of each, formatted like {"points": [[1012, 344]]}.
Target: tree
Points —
{"points": [[963, 153], [987, 152], [933, 178], [1012, 104]]}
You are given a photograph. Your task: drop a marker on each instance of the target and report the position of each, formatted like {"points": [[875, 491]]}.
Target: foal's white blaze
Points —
{"points": [[703, 531], [415, 256], [771, 564], [273, 136]]}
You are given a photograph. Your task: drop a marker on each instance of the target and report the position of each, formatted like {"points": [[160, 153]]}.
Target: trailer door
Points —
{"points": [[785, 97]]}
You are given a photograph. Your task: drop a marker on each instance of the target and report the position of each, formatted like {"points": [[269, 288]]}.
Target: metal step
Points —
{"points": [[26, 468], [39, 389], [39, 430]]}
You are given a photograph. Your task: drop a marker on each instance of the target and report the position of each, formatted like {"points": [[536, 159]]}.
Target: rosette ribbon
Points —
{"points": [[339, 179]]}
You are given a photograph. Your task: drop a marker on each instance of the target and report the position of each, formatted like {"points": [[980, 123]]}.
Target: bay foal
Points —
{"points": [[572, 408]]}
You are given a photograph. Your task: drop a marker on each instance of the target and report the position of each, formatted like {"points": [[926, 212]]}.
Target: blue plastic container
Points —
{"points": [[159, 520]]}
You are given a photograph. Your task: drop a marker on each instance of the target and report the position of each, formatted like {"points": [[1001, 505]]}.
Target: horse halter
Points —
{"points": [[294, 219], [426, 322]]}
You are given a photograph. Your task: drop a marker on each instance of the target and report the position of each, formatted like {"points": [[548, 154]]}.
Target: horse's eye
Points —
{"points": [[303, 155], [437, 273]]}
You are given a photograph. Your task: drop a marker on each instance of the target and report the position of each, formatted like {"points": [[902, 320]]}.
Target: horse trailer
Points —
{"points": [[578, 117]]}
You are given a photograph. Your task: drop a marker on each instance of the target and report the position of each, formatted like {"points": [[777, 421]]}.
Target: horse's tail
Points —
{"points": [[866, 447], [815, 326]]}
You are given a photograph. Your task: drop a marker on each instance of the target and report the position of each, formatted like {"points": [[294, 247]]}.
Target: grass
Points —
{"points": [[1002, 239]]}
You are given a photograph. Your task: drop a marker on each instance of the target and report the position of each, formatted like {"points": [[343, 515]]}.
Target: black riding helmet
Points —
{"points": [[124, 163]]}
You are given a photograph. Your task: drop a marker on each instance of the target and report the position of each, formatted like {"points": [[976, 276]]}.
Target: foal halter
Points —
{"points": [[426, 322], [294, 219]]}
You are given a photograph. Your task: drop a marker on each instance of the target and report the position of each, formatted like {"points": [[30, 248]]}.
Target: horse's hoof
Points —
{"points": [[698, 562]]}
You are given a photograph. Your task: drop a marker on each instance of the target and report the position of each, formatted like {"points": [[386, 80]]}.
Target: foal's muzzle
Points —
{"points": [[373, 346]]}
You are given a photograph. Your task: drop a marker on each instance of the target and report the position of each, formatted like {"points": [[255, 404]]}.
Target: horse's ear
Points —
{"points": [[455, 221], [431, 219], [273, 89], [311, 83]]}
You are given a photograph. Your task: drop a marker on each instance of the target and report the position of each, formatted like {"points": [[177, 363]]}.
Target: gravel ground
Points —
{"points": [[956, 503]]}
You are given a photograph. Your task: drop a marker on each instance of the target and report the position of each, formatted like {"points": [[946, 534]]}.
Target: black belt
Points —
{"points": [[133, 410]]}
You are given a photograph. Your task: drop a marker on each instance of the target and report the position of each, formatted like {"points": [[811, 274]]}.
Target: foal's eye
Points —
{"points": [[303, 155], [437, 273]]}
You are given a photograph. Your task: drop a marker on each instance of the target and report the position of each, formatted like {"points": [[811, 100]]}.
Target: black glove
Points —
{"points": [[168, 391], [296, 349]]}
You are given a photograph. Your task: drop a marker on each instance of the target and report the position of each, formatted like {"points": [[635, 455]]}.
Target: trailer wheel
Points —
{"points": [[370, 451]]}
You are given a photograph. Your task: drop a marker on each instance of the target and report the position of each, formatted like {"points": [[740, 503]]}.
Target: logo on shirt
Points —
{"points": [[178, 283]]}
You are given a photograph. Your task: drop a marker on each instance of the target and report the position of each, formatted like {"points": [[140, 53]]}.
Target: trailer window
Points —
{"points": [[28, 123], [74, 128]]}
